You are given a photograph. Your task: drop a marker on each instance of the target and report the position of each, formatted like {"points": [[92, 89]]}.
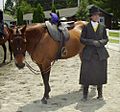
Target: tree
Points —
{"points": [[58, 13], [19, 16], [82, 13], [8, 5], [71, 3], [25, 7], [53, 8], [38, 15]]}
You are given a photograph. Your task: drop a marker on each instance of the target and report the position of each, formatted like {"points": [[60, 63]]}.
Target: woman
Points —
{"points": [[94, 58]]}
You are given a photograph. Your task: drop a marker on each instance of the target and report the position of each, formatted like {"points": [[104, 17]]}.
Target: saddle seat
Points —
{"points": [[57, 32]]}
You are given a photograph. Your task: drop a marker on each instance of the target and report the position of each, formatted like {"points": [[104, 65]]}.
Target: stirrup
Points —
{"points": [[63, 52]]}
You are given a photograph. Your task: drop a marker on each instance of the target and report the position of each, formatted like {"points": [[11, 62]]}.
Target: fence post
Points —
{"points": [[108, 38], [119, 40]]}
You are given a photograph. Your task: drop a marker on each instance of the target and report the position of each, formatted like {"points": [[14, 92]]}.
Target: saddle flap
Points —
{"points": [[57, 32]]}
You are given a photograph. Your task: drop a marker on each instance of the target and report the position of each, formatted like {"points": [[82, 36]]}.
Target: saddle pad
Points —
{"points": [[57, 33]]}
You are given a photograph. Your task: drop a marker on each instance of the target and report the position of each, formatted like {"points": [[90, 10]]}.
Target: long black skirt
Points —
{"points": [[93, 72]]}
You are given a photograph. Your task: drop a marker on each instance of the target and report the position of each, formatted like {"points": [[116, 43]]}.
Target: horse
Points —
{"points": [[3, 41], [36, 40]]}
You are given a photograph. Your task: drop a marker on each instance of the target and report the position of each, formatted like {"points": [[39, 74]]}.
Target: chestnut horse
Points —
{"points": [[3, 41], [36, 40]]}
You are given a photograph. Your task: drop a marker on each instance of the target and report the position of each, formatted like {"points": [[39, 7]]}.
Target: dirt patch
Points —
{"points": [[21, 90]]}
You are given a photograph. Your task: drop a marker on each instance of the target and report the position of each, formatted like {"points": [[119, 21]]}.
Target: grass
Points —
{"points": [[114, 34], [114, 41]]}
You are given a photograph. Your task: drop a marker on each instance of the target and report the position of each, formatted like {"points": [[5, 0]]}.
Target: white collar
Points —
{"points": [[94, 24]]}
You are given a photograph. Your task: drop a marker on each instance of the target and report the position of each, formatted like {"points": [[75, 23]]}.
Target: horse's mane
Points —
{"points": [[80, 24]]}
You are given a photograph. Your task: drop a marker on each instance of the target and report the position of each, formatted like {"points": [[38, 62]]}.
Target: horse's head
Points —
{"points": [[18, 44]]}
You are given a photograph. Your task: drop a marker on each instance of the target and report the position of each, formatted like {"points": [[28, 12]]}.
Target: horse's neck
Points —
{"points": [[33, 37]]}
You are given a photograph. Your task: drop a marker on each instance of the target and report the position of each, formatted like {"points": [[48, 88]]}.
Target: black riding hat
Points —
{"points": [[93, 11]]}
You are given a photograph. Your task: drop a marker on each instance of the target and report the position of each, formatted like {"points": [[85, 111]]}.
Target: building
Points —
{"points": [[70, 14], [67, 12], [9, 20]]}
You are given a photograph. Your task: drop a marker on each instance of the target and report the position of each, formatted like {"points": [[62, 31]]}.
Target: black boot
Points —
{"points": [[85, 92], [99, 89]]}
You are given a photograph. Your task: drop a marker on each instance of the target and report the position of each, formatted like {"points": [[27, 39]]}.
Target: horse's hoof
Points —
{"points": [[44, 101], [47, 97], [84, 99]]}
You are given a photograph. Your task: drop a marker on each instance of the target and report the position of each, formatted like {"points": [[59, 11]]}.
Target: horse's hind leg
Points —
{"points": [[5, 50], [45, 77], [10, 49]]}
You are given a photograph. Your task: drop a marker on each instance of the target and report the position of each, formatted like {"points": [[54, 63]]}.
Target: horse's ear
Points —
{"points": [[23, 29]]}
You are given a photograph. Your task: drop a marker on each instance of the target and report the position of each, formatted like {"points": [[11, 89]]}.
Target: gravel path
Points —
{"points": [[21, 90]]}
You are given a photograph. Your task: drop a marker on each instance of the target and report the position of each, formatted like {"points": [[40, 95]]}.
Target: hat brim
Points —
{"points": [[95, 13]]}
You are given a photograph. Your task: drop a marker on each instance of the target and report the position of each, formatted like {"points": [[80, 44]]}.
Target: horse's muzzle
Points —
{"points": [[20, 66]]}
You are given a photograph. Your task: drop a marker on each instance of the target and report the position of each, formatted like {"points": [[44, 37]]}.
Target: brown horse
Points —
{"points": [[42, 48], [3, 40]]}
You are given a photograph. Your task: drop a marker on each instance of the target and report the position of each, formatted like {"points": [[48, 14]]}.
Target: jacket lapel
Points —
{"points": [[91, 27]]}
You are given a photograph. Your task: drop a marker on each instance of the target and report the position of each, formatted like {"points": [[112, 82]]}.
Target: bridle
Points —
{"points": [[16, 43], [19, 50]]}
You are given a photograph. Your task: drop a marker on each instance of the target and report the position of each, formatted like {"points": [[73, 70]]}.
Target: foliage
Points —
{"points": [[25, 7], [82, 13], [8, 5], [53, 8], [19, 16], [38, 15], [58, 13], [69, 3]]}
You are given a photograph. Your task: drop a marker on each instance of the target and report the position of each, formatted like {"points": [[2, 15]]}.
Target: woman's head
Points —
{"points": [[94, 13]]}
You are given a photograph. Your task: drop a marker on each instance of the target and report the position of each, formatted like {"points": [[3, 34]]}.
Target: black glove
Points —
{"points": [[103, 41], [96, 43]]}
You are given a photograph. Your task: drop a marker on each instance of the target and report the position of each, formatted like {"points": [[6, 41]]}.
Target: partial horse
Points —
{"points": [[36, 40], [3, 40]]}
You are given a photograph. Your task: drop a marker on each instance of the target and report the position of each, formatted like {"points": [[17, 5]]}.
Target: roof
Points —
{"points": [[103, 11], [67, 12], [8, 18]]}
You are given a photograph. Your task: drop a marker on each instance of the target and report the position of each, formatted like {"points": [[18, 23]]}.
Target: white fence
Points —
{"points": [[114, 39]]}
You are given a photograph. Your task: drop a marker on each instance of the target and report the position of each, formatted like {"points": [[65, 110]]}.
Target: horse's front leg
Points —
{"points": [[10, 49], [45, 76], [5, 50]]}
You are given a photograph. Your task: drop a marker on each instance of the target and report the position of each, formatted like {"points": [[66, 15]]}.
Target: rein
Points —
{"points": [[37, 72]]}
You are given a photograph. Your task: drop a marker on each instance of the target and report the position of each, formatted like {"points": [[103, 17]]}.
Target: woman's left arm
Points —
{"points": [[105, 38]]}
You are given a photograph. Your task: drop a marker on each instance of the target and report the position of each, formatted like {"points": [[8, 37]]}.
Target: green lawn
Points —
{"points": [[114, 41], [114, 34]]}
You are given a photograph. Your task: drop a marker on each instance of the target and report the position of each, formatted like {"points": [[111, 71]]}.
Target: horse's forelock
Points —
{"points": [[18, 32]]}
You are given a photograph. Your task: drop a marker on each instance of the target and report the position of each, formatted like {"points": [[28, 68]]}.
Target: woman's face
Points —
{"points": [[95, 17]]}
